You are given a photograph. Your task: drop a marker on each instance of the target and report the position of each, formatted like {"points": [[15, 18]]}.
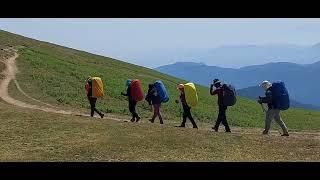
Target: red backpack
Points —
{"points": [[136, 90]]}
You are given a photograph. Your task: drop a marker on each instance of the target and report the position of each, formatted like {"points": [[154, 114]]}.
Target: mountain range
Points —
{"points": [[300, 79]]}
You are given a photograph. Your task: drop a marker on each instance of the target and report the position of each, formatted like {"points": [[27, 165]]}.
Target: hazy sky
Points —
{"points": [[143, 41]]}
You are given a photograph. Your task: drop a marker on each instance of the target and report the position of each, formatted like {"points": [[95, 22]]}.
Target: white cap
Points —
{"points": [[265, 84]]}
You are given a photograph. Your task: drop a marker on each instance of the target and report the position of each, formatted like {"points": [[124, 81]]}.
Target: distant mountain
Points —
{"points": [[302, 81], [244, 55], [254, 92]]}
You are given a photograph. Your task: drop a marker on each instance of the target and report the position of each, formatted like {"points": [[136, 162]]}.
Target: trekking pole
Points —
{"points": [[263, 109], [180, 111], [125, 89]]}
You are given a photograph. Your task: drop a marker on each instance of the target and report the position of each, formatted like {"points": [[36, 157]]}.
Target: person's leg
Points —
{"points": [[159, 114], [184, 120], [94, 101], [192, 120], [135, 112], [268, 120], [132, 110], [219, 119], [184, 117], [224, 118], [155, 113], [100, 113], [278, 119], [92, 106]]}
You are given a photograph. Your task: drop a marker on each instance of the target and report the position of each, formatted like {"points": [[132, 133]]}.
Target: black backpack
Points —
{"points": [[280, 96], [229, 95]]}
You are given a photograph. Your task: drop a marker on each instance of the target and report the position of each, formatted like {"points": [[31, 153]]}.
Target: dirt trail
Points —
{"points": [[26, 95], [10, 74]]}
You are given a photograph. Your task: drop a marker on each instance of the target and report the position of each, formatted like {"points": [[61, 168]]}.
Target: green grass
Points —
{"points": [[38, 136], [56, 74]]}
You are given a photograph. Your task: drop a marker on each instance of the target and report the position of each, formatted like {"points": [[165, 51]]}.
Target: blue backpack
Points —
{"points": [[163, 93], [280, 96]]}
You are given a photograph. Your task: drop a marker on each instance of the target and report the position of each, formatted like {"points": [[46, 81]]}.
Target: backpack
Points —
{"points": [[280, 96], [136, 90], [97, 87], [163, 93], [191, 94], [229, 95]]}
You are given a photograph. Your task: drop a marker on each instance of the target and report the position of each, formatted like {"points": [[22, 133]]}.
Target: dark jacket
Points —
{"points": [[184, 101], [129, 94], [268, 98], [152, 98], [148, 96], [218, 91]]}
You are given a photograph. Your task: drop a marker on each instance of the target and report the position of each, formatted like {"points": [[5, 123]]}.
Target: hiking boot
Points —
{"points": [[151, 121], [132, 120], [102, 115], [138, 118], [215, 129], [180, 126], [265, 132], [285, 134], [195, 127], [228, 131]]}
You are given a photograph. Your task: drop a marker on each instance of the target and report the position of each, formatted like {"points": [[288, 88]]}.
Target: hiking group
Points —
{"points": [[276, 98]]}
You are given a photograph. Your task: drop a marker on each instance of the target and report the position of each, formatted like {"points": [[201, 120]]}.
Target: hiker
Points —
{"points": [[272, 112], [222, 108], [92, 100], [148, 98], [186, 108], [132, 102], [154, 99]]}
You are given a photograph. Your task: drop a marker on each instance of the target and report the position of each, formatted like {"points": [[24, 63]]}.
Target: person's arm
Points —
{"points": [[211, 89], [125, 94], [216, 91], [148, 98], [128, 92], [150, 94], [267, 98]]}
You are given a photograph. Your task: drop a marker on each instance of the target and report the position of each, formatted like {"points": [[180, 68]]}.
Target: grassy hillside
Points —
{"points": [[56, 75]]}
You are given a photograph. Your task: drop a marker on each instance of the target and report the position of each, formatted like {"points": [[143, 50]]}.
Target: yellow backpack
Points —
{"points": [[97, 87], [191, 94]]}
